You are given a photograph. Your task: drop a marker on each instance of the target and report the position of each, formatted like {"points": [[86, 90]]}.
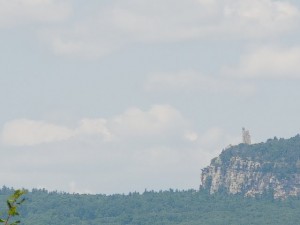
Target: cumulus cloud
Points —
{"points": [[175, 20], [133, 21], [120, 23], [71, 166], [94, 127], [90, 37], [17, 12], [158, 121], [25, 132], [193, 81], [267, 62], [29, 132], [119, 152], [259, 18]]}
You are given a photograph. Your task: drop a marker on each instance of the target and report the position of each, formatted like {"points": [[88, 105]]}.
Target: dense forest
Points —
{"points": [[149, 208]]}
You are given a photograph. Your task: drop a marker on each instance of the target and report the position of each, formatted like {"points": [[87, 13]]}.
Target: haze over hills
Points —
{"points": [[245, 184], [116, 96]]}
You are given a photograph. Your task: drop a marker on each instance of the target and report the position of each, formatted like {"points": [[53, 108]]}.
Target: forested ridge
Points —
{"points": [[281, 155], [182, 207], [272, 166], [189, 207]]}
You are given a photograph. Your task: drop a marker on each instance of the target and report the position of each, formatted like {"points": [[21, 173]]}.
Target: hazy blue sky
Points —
{"points": [[123, 95]]}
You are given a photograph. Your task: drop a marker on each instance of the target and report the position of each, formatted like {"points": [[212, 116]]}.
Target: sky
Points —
{"points": [[125, 95]]}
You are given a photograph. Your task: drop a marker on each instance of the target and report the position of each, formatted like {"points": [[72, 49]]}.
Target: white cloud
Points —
{"points": [[191, 136], [81, 42], [192, 81], [24, 132], [259, 18], [267, 62], [120, 23], [137, 149], [16, 12], [217, 136], [71, 166], [154, 20], [129, 21], [94, 127], [28, 132], [162, 20], [158, 121], [128, 158], [89, 38]]}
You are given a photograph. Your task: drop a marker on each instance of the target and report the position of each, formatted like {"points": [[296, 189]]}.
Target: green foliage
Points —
{"points": [[13, 202], [171, 207], [279, 156]]}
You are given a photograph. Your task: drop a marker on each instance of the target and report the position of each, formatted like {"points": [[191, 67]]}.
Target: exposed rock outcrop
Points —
{"points": [[253, 170]]}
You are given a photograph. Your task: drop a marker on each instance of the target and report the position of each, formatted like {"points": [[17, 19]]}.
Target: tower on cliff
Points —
{"points": [[246, 136]]}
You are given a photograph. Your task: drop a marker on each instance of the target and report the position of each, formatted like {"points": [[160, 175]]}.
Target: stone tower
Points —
{"points": [[246, 136]]}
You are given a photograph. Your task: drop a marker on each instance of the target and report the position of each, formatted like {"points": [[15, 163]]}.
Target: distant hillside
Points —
{"points": [[269, 173], [271, 168], [154, 208]]}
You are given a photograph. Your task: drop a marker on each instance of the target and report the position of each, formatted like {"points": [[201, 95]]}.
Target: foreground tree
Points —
{"points": [[13, 202]]}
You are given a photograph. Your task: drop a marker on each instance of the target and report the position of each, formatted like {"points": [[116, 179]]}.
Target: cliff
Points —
{"points": [[272, 168]]}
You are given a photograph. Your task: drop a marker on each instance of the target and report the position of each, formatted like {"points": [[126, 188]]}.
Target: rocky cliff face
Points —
{"points": [[253, 170]]}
